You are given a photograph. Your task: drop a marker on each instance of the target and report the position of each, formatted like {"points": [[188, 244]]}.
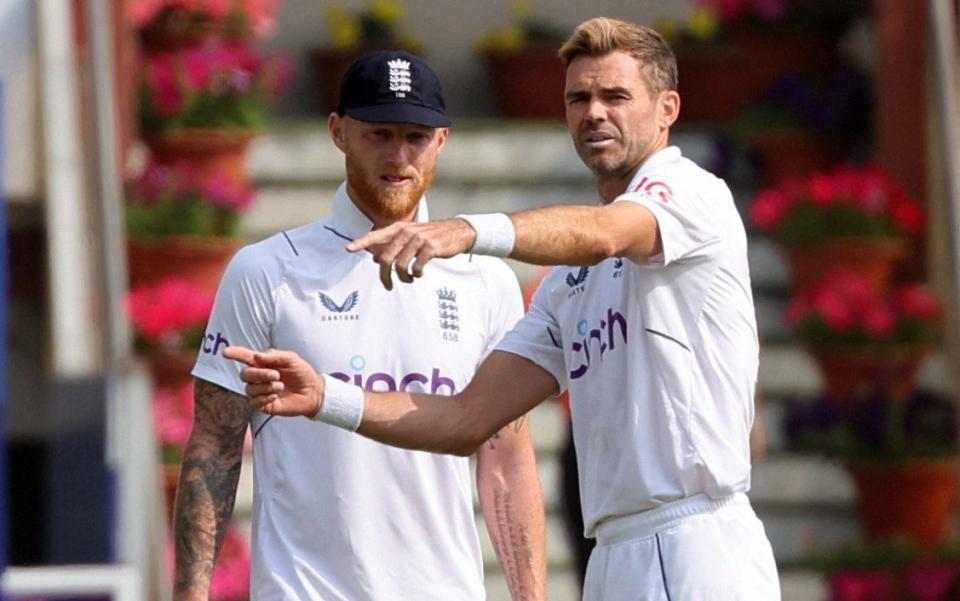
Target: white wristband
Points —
{"points": [[495, 233], [342, 404]]}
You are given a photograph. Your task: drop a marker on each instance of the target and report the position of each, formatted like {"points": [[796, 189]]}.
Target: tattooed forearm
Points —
{"points": [[208, 486], [512, 545], [515, 425]]}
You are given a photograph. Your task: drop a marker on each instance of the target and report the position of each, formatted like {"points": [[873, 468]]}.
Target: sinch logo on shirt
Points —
{"points": [[342, 311]]}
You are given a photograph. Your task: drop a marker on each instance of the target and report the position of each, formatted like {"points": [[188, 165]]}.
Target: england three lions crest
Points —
{"points": [[449, 314]]}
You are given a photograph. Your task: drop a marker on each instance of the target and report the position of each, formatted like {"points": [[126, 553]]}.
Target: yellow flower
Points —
{"points": [[703, 23], [387, 12], [520, 10], [668, 28], [343, 26]]}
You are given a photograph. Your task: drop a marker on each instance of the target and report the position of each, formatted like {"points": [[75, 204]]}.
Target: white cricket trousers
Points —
{"points": [[694, 549]]}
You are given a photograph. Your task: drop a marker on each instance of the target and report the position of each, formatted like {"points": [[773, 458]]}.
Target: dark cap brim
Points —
{"points": [[399, 112]]}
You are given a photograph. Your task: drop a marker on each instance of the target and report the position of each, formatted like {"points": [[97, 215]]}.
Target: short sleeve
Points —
{"points": [[686, 219], [538, 337], [242, 315], [507, 304]]}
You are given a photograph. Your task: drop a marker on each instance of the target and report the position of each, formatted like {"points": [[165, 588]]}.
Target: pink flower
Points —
{"points": [[168, 309], [231, 577], [879, 320], [930, 582], [823, 190], [768, 209], [908, 214], [173, 415], [917, 302], [863, 585], [771, 10], [830, 306]]}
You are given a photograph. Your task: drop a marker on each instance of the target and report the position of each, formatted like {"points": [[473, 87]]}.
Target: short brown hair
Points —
{"points": [[602, 35]]}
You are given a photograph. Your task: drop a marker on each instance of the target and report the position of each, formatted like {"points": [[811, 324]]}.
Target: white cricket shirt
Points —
{"points": [[337, 516], [660, 355]]}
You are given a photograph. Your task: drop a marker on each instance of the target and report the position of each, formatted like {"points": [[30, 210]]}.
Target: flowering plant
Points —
{"points": [[170, 315], [892, 571], [376, 26], [843, 309], [846, 202], [210, 86], [237, 17], [820, 16], [523, 31], [164, 201], [874, 427]]}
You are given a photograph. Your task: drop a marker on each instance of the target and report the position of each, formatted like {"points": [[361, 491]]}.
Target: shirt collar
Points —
{"points": [[347, 221], [660, 157]]}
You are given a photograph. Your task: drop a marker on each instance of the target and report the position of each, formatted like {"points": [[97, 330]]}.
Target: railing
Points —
{"points": [[946, 62]]}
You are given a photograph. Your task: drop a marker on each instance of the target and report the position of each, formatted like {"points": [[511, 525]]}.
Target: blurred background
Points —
{"points": [[144, 141]]}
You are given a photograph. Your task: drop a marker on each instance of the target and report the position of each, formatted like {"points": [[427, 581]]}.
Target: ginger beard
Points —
{"points": [[382, 199]]}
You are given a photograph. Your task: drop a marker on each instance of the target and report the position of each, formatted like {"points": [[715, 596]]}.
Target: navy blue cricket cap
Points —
{"points": [[392, 87]]}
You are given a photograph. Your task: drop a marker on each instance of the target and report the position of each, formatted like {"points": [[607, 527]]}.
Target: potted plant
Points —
{"points": [[900, 452], [182, 223], [891, 571], [804, 124], [525, 71], [863, 342], [857, 218], [168, 320], [730, 51], [168, 25], [200, 107], [353, 33]]}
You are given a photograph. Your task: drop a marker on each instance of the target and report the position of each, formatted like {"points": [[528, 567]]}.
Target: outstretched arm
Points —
{"points": [[509, 488], [505, 387], [554, 235], [208, 486]]}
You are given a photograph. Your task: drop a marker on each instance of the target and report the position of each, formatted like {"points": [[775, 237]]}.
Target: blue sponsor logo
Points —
{"points": [[340, 312], [434, 383]]}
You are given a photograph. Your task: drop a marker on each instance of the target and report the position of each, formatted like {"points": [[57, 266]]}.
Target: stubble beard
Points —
{"points": [[388, 204]]}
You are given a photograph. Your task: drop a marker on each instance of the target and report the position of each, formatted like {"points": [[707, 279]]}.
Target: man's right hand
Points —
{"points": [[279, 382]]}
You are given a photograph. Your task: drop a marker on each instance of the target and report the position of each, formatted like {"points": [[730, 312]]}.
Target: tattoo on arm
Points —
{"points": [[515, 425], [208, 484], [512, 545]]}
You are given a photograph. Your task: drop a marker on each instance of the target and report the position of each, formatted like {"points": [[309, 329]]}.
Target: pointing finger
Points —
{"points": [[241, 354]]}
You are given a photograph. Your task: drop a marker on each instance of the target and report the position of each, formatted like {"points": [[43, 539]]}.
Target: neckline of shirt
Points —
{"points": [[347, 221], [660, 157]]}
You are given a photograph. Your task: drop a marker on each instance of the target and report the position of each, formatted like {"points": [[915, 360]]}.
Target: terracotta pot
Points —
{"points": [[788, 153], [171, 369], [171, 480], [528, 84], [709, 85], [915, 498], [872, 259], [208, 152], [887, 369], [199, 260], [719, 80]]}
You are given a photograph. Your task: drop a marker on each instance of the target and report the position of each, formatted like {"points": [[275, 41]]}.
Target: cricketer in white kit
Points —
{"points": [[650, 326]]}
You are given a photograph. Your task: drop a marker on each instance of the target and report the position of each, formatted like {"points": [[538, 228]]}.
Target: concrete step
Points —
{"points": [[299, 152]]}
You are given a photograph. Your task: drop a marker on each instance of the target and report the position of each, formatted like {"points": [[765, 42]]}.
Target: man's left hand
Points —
{"points": [[397, 245]]}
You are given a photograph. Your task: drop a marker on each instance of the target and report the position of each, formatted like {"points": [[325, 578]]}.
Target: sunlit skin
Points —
{"points": [[389, 165], [615, 120]]}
